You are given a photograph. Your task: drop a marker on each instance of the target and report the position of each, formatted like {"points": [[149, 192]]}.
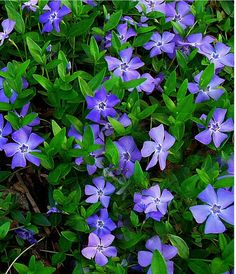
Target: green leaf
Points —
{"points": [[112, 152], [15, 16], [134, 219], [4, 175], [4, 228], [115, 41], [228, 253], [158, 265], [77, 124], [140, 40], [62, 66], [55, 128], [70, 236], [40, 219], [222, 241], [96, 81], [139, 178], [59, 172], [35, 50], [177, 27], [224, 182], [84, 87], [92, 209], [199, 267], [118, 127], [20, 268], [182, 90], [206, 76], [94, 50], [113, 21], [29, 118], [44, 82], [82, 27], [181, 59], [133, 83], [170, 84], [147, 112], [5, 106], [203, 176], [169, 103], [181, 245]]}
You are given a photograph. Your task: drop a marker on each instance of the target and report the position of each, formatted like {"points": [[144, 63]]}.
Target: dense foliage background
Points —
{"points": [[106, 99]]}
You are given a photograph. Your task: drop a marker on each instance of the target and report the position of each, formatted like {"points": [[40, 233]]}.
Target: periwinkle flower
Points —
{"points": [[25, 143], [167, 251], [53, 210], [218, 55], [103, 224], [109, 130], [132, 22], [159, 44], [99, 248], [126, 68], [26, 234], [180, 13], [52, 18], [211, 91], [30, 5], [5, 130], [24, 111], [163, 141], [218, 205], [90, 2], [101, 105], [129, 153], [216, 129], [99, 192], [7, 26], [149, 84], [151, 5]]}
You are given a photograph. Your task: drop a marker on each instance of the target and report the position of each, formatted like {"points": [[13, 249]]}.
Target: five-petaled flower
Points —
{"points": [[163, 141], [7, 26], [218, 206], [216, 128], [30, 5]]}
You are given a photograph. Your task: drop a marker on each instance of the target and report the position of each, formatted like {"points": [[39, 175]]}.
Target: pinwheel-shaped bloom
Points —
{"points": [[99, 192], [25, 143], [129, 153], [99, 248], [126, 68], [218, 206], [7, 26], [219, 55], [101, 104], [30, 5], [211, 91], [151, 5], [103, 224], [216, 128], [52, 18], [167, 251], [159, 44], [180, 13], [163, 141], [4, 131]]}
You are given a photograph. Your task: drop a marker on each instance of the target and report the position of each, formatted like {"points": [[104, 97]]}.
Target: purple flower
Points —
{"points": [[103, 224], [126, 67], [99, 192], [211, 91], [218, 206], [151, 5], [90, 2], [109, 130], [180, 13], [149, 84], [215, 129], [129, 153], [167, 251], [26, 234], [219, 55], [53, 210], [159, 44], [7, 26], [4, 131], [25, 142], [24, 112], [131, 21], [101, 104], [52, 18], [124, 33], [163, 141], [99, 248], [30, 5]]}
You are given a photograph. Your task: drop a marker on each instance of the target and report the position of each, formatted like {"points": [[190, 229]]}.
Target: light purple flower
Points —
{"points": [[129, 153], [211, 91], [167, 251], [7, 26], [149, 84], [230, 169], [52, 18], [99, 248], [126, 68], [30, 5], [25, 142], [24, 112], [219, 55], [90, 2], [216, 128], [180, 13], [103, 224], [159, 44], [4, 131], [101, 104], [109, 130], [218, 206], [53, 210], [99, 192], [163, 141], [151, 5]]}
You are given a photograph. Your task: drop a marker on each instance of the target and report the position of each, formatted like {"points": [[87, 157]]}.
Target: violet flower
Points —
{"points": [[99, 248], [109, 130], [30, 5], [53, 210], [167, 251], [132, 22], [129, 153], [103, 224], [151, 5], [4, 132], [211, 91], [99, 192], [163, 141], [219, 55], [101, 104], [26, 234], [90, 2], [24, 112], [218, 206], [216, 128], [7, 26], [149, 84], [180, 13], [126, 67], [51, 19], [25, 142], [159, 44]]}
